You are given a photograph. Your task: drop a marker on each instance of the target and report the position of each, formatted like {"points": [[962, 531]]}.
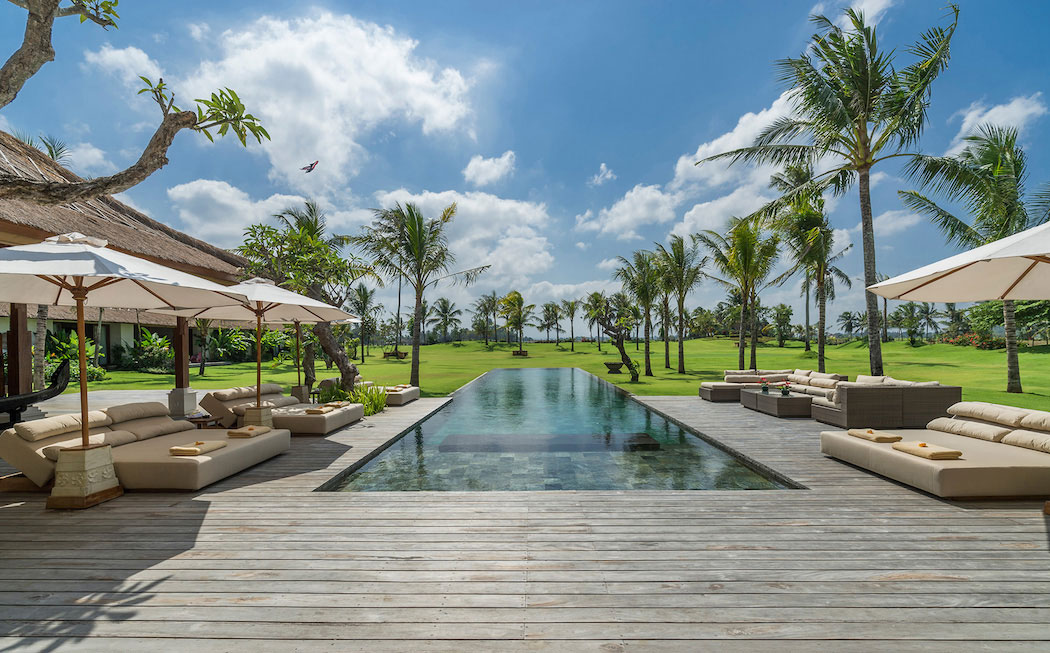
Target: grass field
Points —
{"points": [[446, 367]]}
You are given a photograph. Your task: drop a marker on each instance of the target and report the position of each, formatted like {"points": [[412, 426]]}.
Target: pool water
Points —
{"points": [[549, 429]]}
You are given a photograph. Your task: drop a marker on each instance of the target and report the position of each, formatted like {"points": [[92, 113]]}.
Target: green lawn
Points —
{"points": [[448, 366]]}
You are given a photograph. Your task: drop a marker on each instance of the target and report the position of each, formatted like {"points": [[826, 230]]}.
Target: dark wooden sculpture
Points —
{"points": [[15, 405]]}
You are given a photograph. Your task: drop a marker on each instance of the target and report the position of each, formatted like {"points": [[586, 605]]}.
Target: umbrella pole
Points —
{"points": [[258, 360], [298, 361], [80, 295]]}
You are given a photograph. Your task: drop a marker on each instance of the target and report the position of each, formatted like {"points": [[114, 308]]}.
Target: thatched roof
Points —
{"points": [[125, 228], [117, 315]]}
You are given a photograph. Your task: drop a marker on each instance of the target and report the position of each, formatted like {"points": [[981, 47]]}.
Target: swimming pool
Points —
{"points": [[549, 429]]}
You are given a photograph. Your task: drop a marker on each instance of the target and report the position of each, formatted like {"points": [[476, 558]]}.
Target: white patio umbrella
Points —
{"points": [[1015, 267], [75, 270], [269, 303]]}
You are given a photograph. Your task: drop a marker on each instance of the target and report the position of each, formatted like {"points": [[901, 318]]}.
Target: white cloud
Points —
{"points": [[873, 10], [321, 84], [885, 224], [608, 264], [126, 64], [546, 291], [482, 172], [88, 160], [5, 124], [217, 212], [605, 174], [714, 214], [580, 245], [489, 230], [1017, 113], [877, 178], [199, 31], [642, 205]]}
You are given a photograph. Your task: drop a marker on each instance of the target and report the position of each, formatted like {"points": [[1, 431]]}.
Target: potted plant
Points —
{"points": [[785, 388], [765, 386]]}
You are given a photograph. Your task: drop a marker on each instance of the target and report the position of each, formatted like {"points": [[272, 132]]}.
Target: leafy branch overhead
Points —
{"points": [[218, 115]]}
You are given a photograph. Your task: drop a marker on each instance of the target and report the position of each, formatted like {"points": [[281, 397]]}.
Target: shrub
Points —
{"points": [[94, 372], [372, 398], [333, 394], [978, 340]]}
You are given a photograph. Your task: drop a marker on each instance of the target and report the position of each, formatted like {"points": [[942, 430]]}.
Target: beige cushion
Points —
{"points": [[283, 400], [234, 393], [798, 378], [820, 382], [28, 457], [299, 422], [824, 401], [1036, 420], [272, 389], [925, 384], [735, 372], [769, 372], [112, 438], [823, 375], [1028, 439], [979, 430], [151, 427], [38, 429], [1005, 415], [864, 378], [402, 396], [742, 378], [128, 412], [803, 372]]}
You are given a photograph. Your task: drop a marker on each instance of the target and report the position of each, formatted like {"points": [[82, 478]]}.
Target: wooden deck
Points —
{"points": [[261, 563]]}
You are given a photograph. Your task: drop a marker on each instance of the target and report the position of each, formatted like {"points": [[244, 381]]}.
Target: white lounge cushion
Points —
{"points": [[1028, 439], [821, 382], [864, 378], [128, 412], [824, 401], [999, 414], [735, 372], [234, 393], [112, 438], [979, 430], [803, 372], [769, 372], [802, 379], [743, 378], [1036, 420], [823, 375]]}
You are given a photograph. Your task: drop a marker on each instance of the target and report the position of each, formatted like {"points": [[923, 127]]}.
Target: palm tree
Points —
{"points": [[642, 278], [491, 302], [745, 259], [362, 303], [928, 315], [311, 220], [406, 244], [852, 106], [517, 313], [203, 328], [988, 177], [682, 269], [848, 323], [956, 319], [665, 318], [569, 307], [482, 312], [593, 308], [551, 319], [446, 317]]}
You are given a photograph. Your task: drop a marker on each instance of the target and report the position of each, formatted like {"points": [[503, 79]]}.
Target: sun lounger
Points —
{"points": [[288, 413]]}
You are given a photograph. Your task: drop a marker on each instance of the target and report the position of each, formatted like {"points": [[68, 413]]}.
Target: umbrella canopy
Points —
{"points": [[268, 303], [1015, 267], [75, 270]]}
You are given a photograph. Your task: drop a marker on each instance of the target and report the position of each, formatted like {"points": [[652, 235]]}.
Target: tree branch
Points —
{"points": [[79, 8], [35, 51], [153, 158]]}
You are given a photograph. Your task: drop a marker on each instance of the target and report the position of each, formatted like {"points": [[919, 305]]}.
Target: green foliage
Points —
{"points": [[224, 343], [334, 393], [223, 111], [782, 323], [104, 10], [372, 398], [94, 372], [64, 345], [984, 316]]}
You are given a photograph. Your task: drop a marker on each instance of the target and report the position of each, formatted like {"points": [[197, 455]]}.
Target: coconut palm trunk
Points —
{"points": [[822, 316], [754, 333], [871, 300], [806, 334], [417, 318], [39, 346], [740, 345], [681, 335], [648, 333], [1013, 368]]}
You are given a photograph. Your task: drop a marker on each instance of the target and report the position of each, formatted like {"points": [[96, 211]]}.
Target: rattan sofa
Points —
{"points": [[140, 435], [818, 384], [1005, 452], [885, 402]]}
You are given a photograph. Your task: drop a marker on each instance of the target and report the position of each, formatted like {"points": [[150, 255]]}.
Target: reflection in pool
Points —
{"points": [[549, 429]]}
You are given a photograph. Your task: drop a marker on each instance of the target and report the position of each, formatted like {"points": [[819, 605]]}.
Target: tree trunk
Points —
{"points": [[681, 334], [417, 316], [347, 370], [885, 320], [572, 337], [754, 333], [397, 336], [822, 310], [870, 278], [39, 347], [1013, 368], [204, 352], [98, 337], [648, 329], [741, 332], [806, 335], [309, 373], [521, 333]]}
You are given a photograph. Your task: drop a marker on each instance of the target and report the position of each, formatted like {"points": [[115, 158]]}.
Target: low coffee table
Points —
{"points": [[794, 404], [202, 421]]}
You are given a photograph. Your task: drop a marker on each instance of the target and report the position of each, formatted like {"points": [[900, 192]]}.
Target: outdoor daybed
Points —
{"points": [[1005, 452], [141, 435], [230, 406], [399, 395], [805, 381], [884, 402]]}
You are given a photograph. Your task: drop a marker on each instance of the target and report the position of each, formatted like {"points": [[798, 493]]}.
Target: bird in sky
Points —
{"points": [[310, 168]]}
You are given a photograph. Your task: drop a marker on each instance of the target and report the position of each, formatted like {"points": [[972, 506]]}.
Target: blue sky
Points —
{"points": [[565, 131]]}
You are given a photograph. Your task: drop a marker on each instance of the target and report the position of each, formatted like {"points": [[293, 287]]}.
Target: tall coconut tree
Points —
{"points": [[404, 243], [362, 303], [517, 313], [490, 302], [847, 321], [481, 312], [550, 318], [569, 308], [852, 106], [666, 318], [744, 258], [446, 317], [988, 179], [641, 277], [682, 268], [593, 308]]}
